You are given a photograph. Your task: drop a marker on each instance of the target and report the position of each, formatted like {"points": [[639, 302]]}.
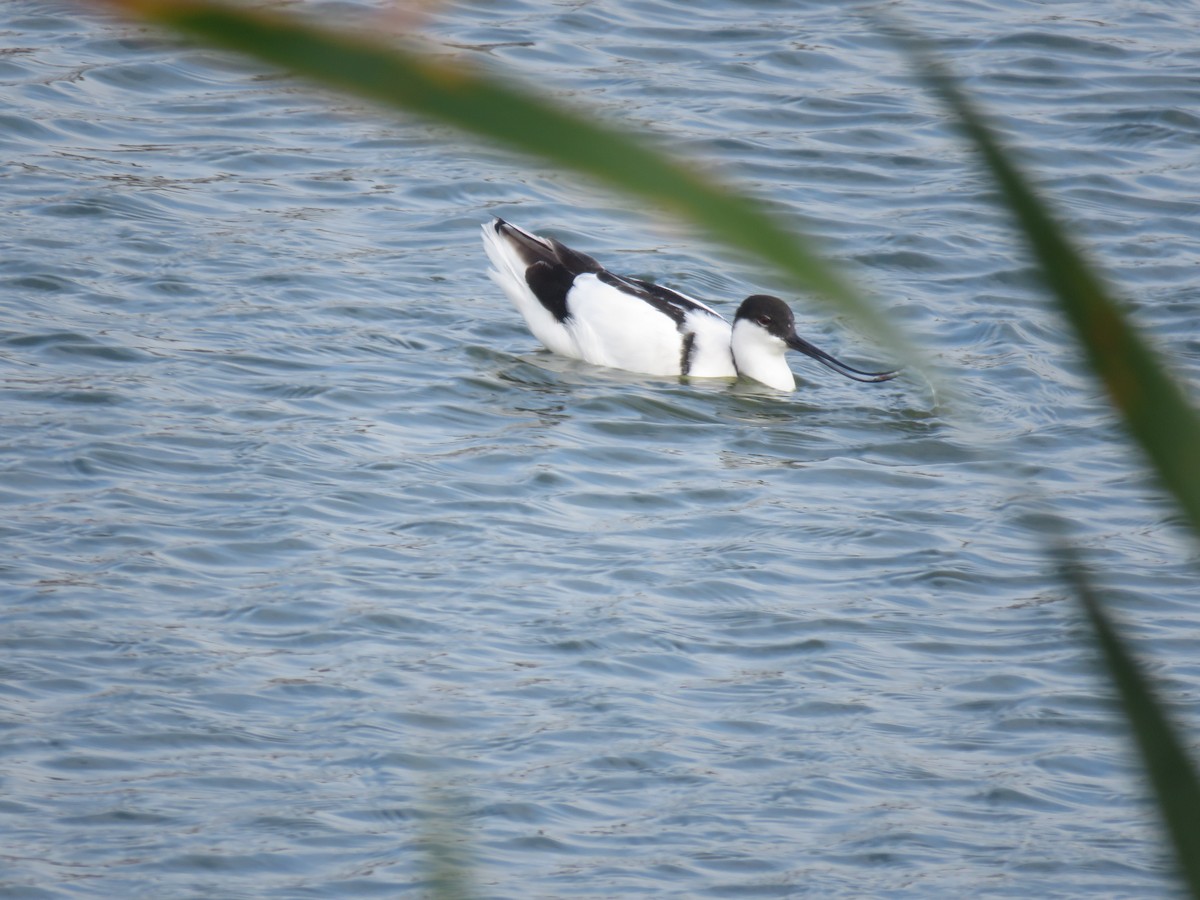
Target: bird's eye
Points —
{"points": [[764, 321]]}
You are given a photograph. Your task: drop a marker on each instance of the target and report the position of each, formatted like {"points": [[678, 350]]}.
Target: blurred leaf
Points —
{"points": [[453, 91], [1161, 419], [447, 846], [1170, 770], [1153, 405]]}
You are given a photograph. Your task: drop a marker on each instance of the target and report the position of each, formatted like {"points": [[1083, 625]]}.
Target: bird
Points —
{"points": [[579, 309]]}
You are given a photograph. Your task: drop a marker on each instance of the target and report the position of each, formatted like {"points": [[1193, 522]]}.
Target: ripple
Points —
{"points": [[315, 558]]}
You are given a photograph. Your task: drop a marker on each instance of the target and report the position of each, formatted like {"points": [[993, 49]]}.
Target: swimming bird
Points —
{"points": [[577, 308]]}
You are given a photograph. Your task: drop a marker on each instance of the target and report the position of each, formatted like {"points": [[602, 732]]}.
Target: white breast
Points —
{"points": [[761, 356]]}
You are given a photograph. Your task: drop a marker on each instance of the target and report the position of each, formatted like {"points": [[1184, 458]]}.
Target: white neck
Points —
{"points": [[761, 356]]}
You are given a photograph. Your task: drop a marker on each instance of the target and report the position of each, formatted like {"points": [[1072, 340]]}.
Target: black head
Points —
{"points": [[770, 313], [775, 317]]}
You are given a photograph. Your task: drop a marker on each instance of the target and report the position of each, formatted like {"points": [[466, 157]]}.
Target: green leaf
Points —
{"points": [[481, 102], [1153, 405], [1171, 772]]}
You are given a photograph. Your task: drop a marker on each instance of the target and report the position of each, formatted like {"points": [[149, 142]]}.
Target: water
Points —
{"points": [[311, 556]]}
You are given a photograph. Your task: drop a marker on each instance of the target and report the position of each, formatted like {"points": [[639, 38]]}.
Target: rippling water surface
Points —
{"points": [[311, 556]]}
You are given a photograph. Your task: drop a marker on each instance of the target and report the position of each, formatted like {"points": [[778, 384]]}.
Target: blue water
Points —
{"points": [[314, 563]]}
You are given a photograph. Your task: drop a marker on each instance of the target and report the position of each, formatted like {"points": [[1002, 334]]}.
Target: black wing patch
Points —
{"points": [[575, 262], [533, 249], [669, 296], [550, 283], [664, 300], [553, 266], [685, 358]]}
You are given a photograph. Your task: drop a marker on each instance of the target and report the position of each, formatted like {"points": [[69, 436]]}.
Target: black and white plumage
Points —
{"points": [[577, 308]]}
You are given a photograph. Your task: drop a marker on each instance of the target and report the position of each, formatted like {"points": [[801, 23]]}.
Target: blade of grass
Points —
{"points": [[1171, 772], [1153, 405], [481, 102]]}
